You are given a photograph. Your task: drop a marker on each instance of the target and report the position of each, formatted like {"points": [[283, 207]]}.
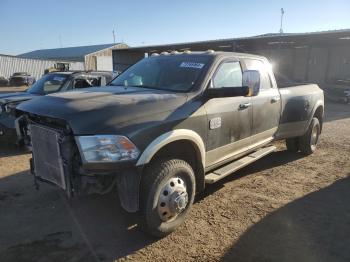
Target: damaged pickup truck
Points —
{"points": [[165, 128]]}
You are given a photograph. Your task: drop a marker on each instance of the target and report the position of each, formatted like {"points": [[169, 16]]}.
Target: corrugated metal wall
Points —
{"points": [[311, 64], [124, 59], [35, 67]]}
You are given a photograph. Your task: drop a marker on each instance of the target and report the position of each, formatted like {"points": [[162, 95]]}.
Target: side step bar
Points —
{"points": [[228, 169]]}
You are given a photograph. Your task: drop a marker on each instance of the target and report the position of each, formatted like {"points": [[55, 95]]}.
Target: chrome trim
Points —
{"points": [[171, 136]]}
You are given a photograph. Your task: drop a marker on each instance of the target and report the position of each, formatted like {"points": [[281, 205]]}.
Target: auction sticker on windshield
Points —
{"points": [[192, 65], [59, 78]]}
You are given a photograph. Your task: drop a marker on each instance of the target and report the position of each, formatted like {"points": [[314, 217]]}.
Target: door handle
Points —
{"points": [[245, 105], [275, 99]]}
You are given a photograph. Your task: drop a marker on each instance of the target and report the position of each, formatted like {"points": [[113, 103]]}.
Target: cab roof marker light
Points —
{"points": [[187, 52], [210, 51], [155, 54], [164, 53], [174, 52]]}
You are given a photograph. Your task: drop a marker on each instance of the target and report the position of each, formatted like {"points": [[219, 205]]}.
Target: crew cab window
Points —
{"points": [[229, 74], [258, 65], [86, 82]]}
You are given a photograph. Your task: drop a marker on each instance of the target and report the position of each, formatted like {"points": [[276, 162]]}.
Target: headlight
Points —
{"points": [[106, 148], [10, 107]]}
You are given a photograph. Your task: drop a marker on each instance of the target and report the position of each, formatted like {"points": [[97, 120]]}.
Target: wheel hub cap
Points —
{"points": [[314, 136], [173, 199]]}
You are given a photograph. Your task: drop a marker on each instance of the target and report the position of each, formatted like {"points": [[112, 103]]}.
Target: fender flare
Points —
{"points": [[318, 104], [172, 136]]}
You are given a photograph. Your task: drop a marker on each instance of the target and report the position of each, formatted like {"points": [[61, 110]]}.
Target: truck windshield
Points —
{"points": [[176, 73], [48, 84]]}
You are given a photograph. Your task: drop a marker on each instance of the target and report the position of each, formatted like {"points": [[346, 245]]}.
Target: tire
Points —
{"points": [[154, 203], [308, 142], [292, 144]]}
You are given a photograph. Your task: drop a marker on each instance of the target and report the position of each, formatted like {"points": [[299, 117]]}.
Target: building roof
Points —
{"points": [[267, 39], [76, 53]]}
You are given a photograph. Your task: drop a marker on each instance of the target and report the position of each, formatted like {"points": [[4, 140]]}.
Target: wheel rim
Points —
{"points": [[173, 199], [314, 137]]}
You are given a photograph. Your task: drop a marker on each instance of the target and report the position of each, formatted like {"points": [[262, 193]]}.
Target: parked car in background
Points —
{"points": [[165, 128], [21, 79], [3, 81], [48, 84]]}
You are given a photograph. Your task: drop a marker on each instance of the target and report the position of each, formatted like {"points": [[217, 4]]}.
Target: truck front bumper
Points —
{"points": [[56, 160]]}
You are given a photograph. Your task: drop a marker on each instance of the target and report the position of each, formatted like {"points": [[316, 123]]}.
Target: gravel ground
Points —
{"points": [[284, 207]]}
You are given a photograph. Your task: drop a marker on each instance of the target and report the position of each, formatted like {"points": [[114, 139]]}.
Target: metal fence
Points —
{"points": [[34, 67]]}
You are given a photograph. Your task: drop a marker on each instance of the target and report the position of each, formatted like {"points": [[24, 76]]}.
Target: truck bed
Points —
{"points": [[299, 103]]}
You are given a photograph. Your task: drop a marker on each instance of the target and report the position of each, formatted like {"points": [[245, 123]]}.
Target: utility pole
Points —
{"points": [[113, 36], [282, 14]]}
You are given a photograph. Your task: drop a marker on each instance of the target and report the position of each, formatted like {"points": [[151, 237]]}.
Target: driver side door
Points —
{"points": [[230, 118]]}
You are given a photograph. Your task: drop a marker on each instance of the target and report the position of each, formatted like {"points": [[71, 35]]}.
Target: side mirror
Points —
{"points": [[227, 92], [251, 79]]}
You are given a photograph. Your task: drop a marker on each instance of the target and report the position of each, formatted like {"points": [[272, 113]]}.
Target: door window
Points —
{"points": [[229, 74], [258, 65]]}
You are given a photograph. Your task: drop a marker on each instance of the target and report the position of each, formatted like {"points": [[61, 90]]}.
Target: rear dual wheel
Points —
{"points": [[307, 143], [167, 194]]}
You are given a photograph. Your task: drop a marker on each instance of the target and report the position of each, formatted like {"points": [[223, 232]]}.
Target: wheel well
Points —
{"points": [[319, 115], [187, 151]]}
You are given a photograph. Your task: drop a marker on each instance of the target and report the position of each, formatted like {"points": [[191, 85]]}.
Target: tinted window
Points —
{"points": [[228, 75], [253, 64], [173, 72]]}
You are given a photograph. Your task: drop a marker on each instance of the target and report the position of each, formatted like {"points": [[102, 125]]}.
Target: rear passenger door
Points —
{"points": [[266, 105], [229, 121]]}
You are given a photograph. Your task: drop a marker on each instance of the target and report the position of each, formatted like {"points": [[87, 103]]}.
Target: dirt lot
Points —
{"points": [[282, 208], [5, 89]]}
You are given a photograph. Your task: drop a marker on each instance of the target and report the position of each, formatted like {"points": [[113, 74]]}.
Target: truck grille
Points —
{"points": [[46, 154]]}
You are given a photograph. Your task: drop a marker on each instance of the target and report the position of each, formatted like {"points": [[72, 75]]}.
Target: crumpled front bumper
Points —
{"points": [[8, 134]]}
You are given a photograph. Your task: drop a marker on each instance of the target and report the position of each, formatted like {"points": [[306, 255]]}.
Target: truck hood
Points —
{"points": [[15, 97], [93, 110]]}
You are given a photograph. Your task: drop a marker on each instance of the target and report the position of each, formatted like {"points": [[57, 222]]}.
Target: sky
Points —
{"points": [[40, 24]]}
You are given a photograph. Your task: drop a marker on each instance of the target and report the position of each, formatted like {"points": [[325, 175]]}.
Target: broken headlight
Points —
{"points": [[106, 148]]}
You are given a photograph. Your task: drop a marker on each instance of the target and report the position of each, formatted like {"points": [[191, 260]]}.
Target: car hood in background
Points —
{"points": [[92, 110], [15, 97]]}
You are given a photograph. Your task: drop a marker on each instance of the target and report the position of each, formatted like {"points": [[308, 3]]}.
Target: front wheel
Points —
{"points": [[167, 194]]}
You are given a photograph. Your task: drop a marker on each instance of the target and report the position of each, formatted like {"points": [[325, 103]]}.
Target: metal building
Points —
{"points": [[321, 57], [35, 67], [95, 57]]}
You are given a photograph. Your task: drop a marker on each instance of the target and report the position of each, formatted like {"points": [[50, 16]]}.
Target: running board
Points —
{"points": [[224, 171]]}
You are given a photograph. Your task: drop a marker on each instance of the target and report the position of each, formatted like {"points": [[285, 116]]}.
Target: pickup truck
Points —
{"points": [[165, 128], [49, 83]]}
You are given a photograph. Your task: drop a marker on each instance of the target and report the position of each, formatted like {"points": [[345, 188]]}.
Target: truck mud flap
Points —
{"points": [[128, 186]]}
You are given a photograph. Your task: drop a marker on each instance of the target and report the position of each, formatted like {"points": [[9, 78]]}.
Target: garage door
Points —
{"points": [[104, 63]]}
